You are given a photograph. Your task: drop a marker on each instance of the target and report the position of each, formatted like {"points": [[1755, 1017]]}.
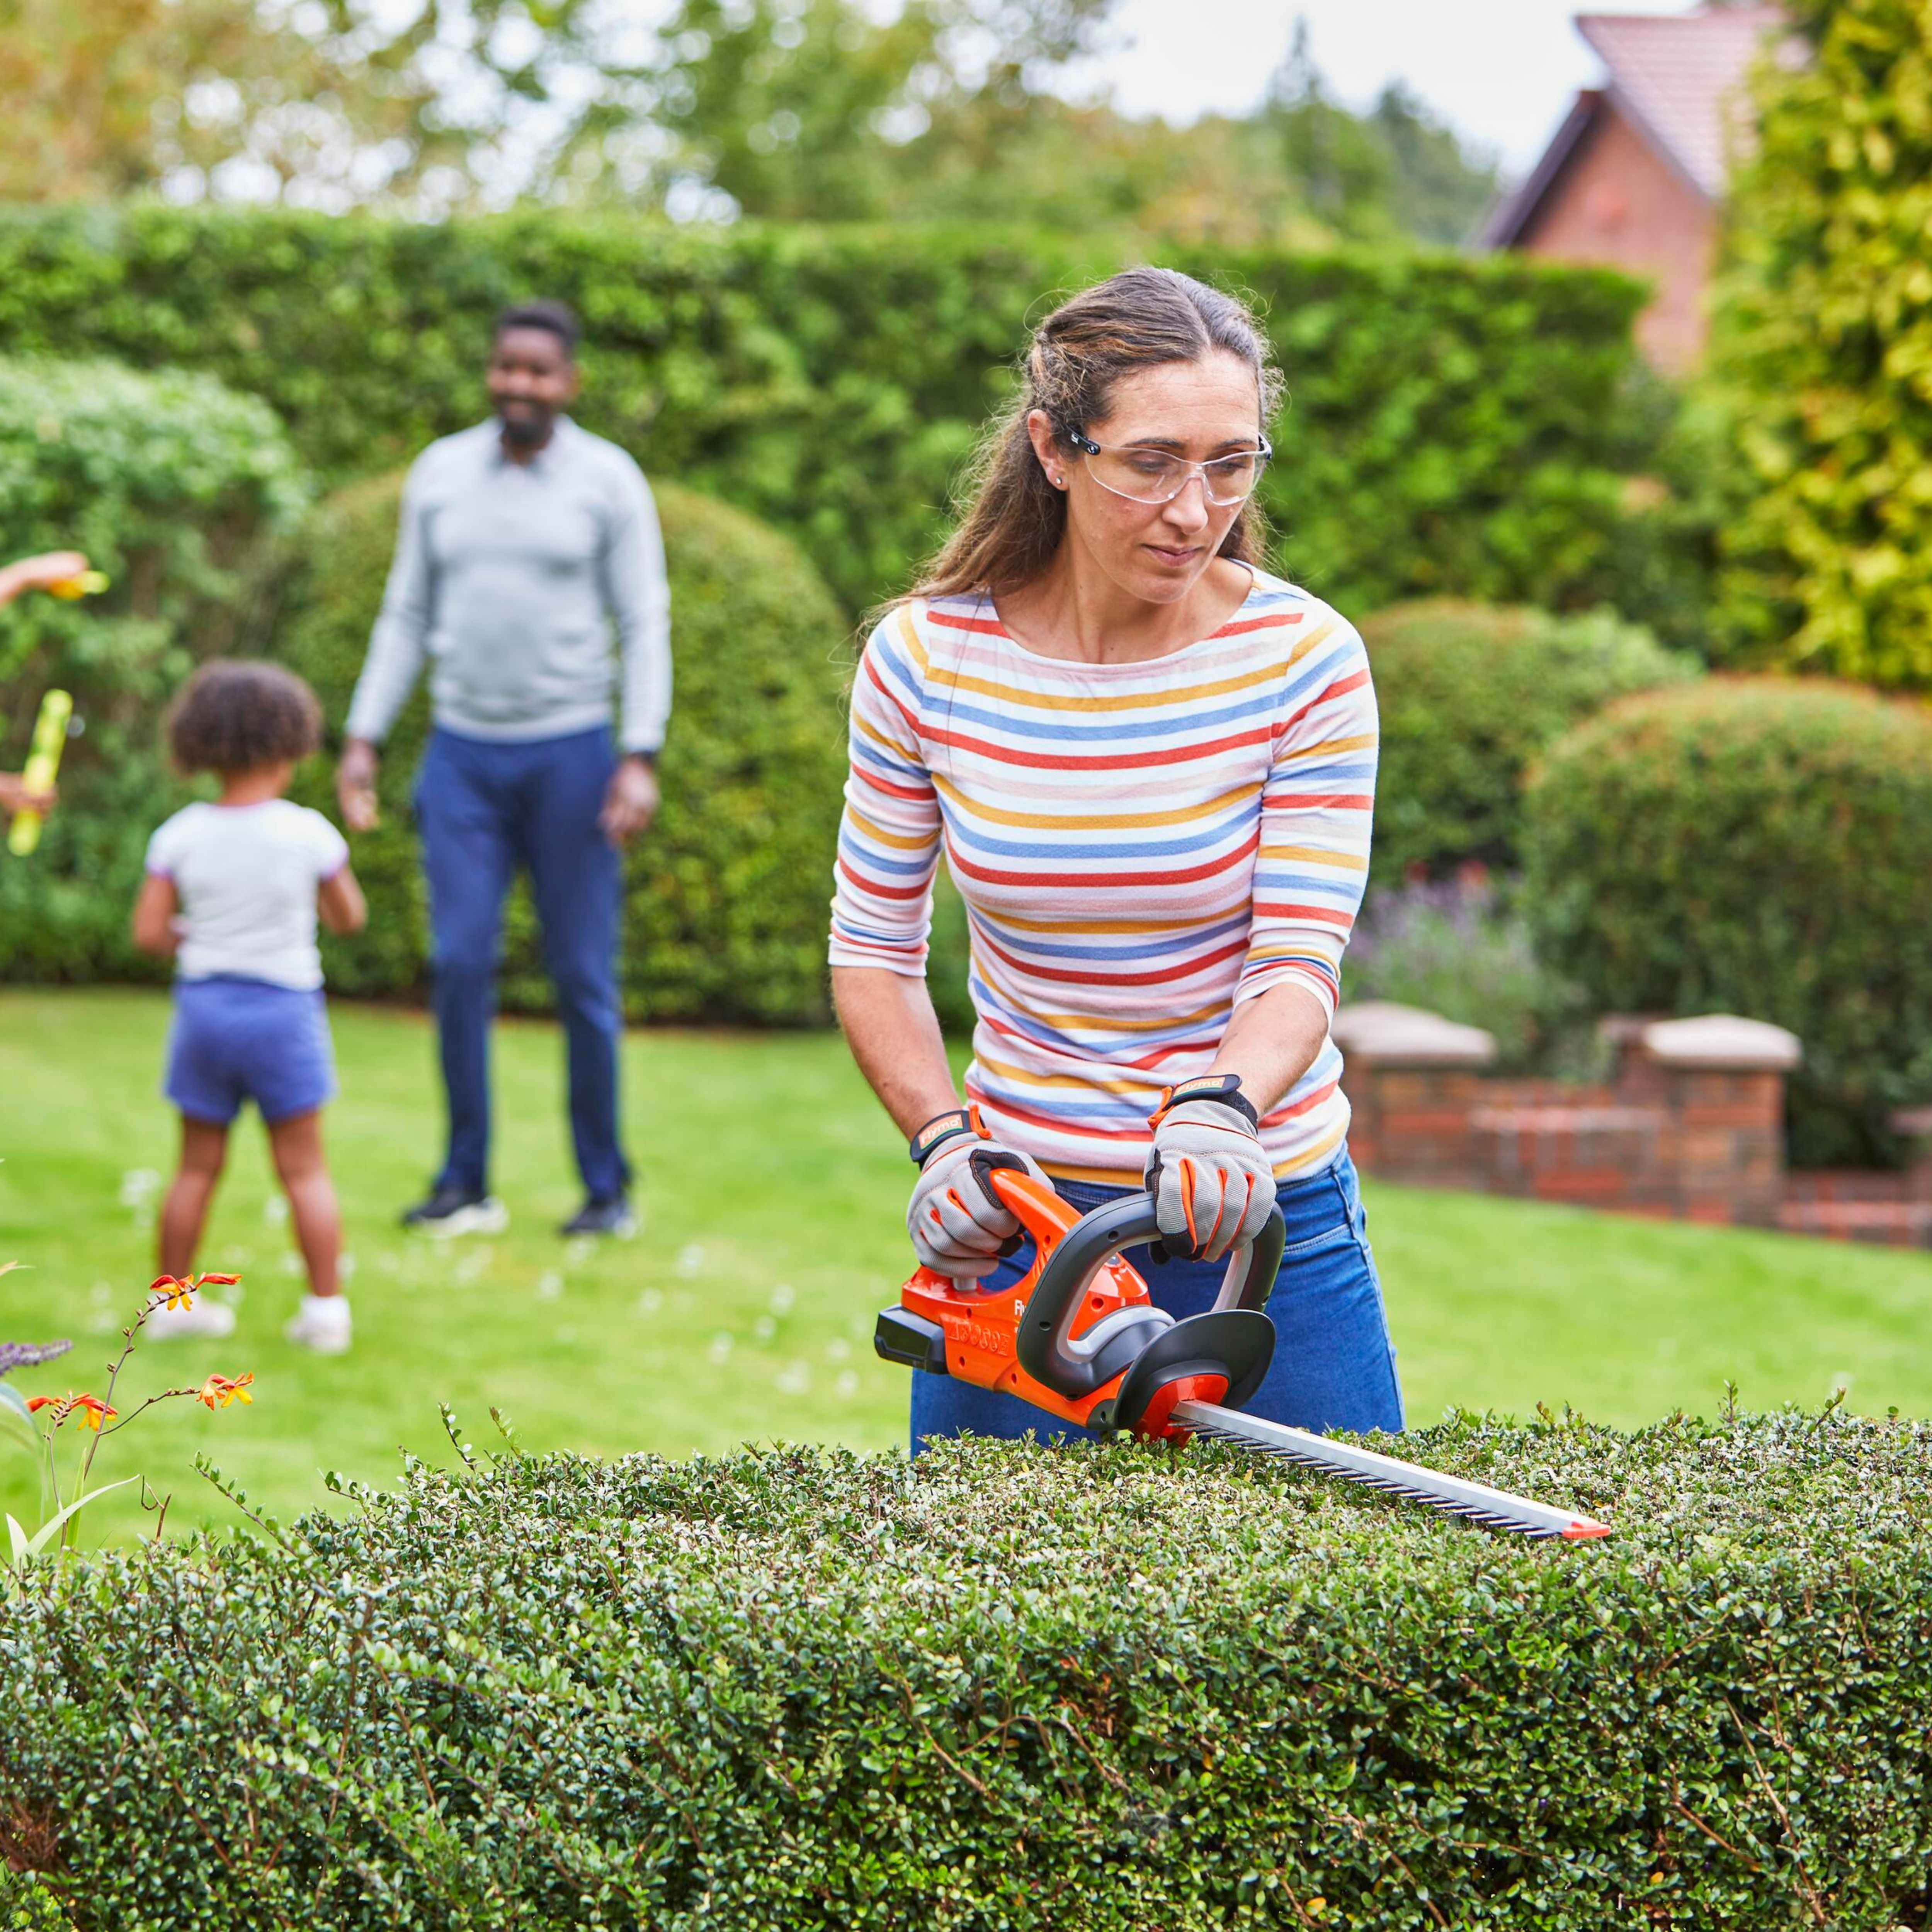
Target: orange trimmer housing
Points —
{"points": [[1077, 1335]]}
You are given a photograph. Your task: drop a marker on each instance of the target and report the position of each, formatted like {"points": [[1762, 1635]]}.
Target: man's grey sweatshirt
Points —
{"points": [[511, 578]]}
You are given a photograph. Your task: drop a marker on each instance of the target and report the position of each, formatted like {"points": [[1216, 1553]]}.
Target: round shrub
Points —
{"points": [[173, 485], [1469, 693], [727, 894], [1755, 846]]}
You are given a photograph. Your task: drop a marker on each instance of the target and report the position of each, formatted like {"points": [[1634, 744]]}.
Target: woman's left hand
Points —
{"points": [[1212, 1181]]}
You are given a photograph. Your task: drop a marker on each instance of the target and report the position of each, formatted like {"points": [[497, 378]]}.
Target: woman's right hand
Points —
{"points": [[956, 1224]]}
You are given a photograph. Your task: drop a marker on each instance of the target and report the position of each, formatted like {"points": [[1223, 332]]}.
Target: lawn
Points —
{"points": [[772, 1197]]}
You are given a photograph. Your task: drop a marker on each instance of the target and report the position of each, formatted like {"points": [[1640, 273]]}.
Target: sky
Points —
{"points": [[1502, 72]]}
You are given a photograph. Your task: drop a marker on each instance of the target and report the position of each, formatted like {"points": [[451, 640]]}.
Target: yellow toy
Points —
{"points": [[42, 767], [89, 584]]}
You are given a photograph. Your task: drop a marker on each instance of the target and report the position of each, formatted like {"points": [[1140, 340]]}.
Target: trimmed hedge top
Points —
{"points": [[1108, 1688]]}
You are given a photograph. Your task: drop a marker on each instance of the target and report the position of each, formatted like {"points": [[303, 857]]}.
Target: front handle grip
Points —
{"points": [[1044, 1343]]}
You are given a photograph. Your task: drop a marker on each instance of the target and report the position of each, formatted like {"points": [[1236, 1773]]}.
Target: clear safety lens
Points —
{"points": [[1154, 476]]}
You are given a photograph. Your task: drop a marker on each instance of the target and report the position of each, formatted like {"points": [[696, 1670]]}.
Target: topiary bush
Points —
{"points": [[725, 915], [1758, 846], [1101, 1689], [1469, 693], [175, 487]]}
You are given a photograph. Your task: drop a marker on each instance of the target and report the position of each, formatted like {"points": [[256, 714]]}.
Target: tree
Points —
{"points": [[1822, 349]]}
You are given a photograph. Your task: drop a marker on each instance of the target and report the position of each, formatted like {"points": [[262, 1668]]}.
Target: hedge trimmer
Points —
{"points": [[1078, 1337]]}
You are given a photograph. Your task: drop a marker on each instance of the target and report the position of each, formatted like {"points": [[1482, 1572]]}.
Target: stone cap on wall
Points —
{"points": [[1386, 1033], [1722, 1042]]}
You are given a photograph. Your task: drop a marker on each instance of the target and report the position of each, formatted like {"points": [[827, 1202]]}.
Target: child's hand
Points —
{"points": [[355, 785], [14, 796], [37, 573]]}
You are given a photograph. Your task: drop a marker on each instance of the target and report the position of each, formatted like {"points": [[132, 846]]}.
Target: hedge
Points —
{"points": [[1102, 1689], [1469, 695], [1456, 425], [726, 895], [1756, 846], [1822, 336], [176, 487]]}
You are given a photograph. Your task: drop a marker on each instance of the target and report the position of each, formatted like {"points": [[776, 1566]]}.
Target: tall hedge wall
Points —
{"points": [[1455, 425], [726, 900], [1103, 1690]]}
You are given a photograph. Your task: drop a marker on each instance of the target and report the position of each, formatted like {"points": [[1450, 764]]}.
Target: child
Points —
{"points": [[232, 892]]}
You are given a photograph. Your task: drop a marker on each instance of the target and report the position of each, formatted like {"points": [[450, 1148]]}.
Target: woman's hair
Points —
{"points": [[1140, 319], [237, 714]]}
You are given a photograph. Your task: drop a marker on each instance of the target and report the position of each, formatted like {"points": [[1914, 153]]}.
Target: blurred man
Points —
{"points": [[527, 546]]}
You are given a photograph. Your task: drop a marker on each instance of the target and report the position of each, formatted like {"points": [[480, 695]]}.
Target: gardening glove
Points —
{"points": [[956, 1225], [1212, 1182]]}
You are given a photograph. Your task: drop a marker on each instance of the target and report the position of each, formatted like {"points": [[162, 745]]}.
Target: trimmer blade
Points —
{"points": [[1494, 1509]]}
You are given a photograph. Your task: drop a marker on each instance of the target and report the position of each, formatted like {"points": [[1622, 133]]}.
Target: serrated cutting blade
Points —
{"points": [[1495, 1509]]}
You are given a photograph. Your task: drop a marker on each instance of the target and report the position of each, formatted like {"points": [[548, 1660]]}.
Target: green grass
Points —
{"points": [[773, 1193]]}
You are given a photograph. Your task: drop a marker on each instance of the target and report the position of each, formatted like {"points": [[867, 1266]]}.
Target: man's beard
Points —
{"points": [[527, 431]]}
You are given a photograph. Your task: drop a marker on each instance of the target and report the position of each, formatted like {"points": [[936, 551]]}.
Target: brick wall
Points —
{"points": [[1691, 1126]]}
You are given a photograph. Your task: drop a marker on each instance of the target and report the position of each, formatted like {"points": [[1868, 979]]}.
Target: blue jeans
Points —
{"points": [[484, 808], [1334, 1367]]}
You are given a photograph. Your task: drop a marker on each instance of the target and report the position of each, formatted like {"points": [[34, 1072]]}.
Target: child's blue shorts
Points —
{"points": [[235, 1040]]}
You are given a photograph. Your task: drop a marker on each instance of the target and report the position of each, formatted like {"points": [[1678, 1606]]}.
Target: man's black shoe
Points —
{"points": [[450, 1211], [602, 1217]]}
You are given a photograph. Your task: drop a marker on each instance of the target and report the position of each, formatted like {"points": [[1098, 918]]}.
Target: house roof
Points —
{"points": [[1675, 78]]}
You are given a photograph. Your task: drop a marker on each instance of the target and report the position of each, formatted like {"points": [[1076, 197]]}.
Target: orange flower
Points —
{"points": [[225, 1389], [220, 1280], [176, 1290], [91, 1410]]}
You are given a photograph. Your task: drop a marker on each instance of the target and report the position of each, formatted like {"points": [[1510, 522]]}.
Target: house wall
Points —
{"points": [[1616, 204]]}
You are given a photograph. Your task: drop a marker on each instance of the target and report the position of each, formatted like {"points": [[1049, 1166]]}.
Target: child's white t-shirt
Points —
{"points": [[246, 876]]}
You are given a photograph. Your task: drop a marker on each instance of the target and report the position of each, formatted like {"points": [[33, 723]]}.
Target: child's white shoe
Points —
{"points": [[321, 1323], [206, 1316]]}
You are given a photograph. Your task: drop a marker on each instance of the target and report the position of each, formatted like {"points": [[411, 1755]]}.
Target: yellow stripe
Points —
{"points": [[1090, 821], [1023, 1078], [902, 841], [1144, 701], [1317, 855], [1360, 743], [1066, 928], [909, 637], [1303, 1162]]}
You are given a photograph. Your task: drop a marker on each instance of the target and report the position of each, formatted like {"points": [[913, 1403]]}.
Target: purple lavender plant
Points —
{"points": [[29, 1354]]}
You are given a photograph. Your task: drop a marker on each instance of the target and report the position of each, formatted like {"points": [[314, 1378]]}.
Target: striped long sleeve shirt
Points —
{"points": [[1140, 848]]}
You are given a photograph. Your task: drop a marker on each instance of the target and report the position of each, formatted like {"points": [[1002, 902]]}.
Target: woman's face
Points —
{"points": [[1198, 410]]}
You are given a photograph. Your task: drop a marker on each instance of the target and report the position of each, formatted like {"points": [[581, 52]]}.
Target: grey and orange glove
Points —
{"points": [[957, 1226], [1212, 1182]]}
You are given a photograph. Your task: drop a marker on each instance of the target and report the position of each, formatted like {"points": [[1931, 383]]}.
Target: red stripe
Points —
{"points": [[988, 626], [1125, 761], [1312, 801], [1344, 920], [1258, 624], [873, 889], [1013, 1110], [1087, 975], [918, 794], [1339, 688], [880, 685]]}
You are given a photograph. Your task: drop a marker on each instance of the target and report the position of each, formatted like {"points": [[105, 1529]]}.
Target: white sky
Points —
{"points": [[1500, 72]]}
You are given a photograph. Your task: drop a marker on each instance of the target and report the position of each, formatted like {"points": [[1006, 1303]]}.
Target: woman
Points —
{"points": [[1152, 765]]}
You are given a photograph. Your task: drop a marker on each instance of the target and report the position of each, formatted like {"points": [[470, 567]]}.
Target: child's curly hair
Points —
{"points": [[238, 714]]}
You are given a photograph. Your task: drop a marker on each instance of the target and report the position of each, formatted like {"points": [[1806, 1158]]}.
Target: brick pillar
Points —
{"points": [[1914, 1127], [1722, 1083], [1413, 1078]]}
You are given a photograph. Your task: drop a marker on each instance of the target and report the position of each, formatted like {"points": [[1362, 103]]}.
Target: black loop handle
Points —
{"points": [[1044, 1342], [985, 1162]]}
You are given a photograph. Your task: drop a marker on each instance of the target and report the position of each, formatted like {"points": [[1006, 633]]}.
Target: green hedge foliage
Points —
{"points": [[1102, 1689], [726, 914], [1468, 695], [1823, 339], [174, 486], [1755, 846], [1456, 425]]}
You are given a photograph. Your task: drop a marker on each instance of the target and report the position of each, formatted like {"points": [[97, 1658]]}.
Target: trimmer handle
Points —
{"points": [[1044, 1342]]}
